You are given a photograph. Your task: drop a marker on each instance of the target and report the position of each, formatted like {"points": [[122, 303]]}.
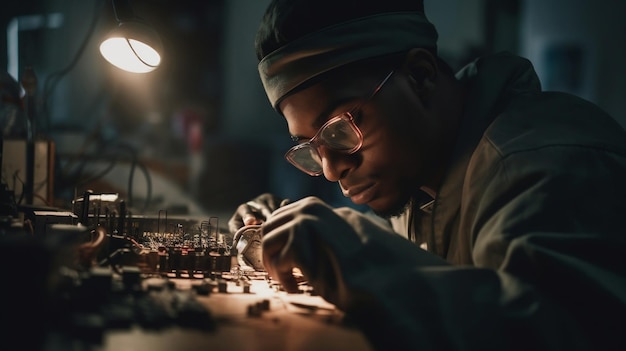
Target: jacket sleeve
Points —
{"points": [[549, 246]]}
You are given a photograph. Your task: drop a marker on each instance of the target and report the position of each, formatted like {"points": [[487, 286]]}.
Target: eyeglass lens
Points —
{"points": [[338, 134]]}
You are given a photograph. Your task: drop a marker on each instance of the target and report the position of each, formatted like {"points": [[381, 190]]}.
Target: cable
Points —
{"points": [[146, 173], [107, 148], [98, 175], [132, 48], [101, 234], [17, 178], [53, 79]]}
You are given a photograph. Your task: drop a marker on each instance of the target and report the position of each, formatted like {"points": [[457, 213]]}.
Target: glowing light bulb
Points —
{"points": [[130, 54]]}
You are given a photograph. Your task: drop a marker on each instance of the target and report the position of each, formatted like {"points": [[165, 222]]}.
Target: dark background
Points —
{"points": [[200, 125]]}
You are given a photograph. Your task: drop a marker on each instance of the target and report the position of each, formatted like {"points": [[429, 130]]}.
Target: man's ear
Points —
{"points": [[422, 70]]}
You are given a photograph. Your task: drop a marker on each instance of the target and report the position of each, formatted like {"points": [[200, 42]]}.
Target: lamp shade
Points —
{"points": [[133, 46]]}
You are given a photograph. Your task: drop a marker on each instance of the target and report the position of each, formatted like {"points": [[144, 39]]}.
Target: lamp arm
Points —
{"points": [[123, 10]]}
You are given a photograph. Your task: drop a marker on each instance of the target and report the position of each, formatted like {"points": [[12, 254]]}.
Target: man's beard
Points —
{"points": [[393, 211]]}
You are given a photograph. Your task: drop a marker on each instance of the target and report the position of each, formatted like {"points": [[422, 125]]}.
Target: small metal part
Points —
{"points": [[247, 241], [246, 288], [254, 310]]}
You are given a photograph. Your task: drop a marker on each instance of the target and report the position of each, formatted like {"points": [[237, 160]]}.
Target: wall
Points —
{"points": [[586, 37], [460, 24]]}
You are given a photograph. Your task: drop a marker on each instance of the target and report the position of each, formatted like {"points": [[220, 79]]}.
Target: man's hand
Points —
{"points": [[339, 251], [255, 211]]}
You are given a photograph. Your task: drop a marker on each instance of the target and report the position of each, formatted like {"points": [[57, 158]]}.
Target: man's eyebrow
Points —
{"points": [[317, 124], [325, 115]]}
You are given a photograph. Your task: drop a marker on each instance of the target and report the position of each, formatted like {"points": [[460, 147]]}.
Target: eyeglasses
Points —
{"points": [[339, 134]]}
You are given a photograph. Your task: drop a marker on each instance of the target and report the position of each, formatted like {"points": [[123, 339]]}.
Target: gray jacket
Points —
{"points": [[532, 216]]}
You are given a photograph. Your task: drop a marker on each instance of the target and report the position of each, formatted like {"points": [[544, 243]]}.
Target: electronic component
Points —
{"points": [[247, 241], [103, 278]]}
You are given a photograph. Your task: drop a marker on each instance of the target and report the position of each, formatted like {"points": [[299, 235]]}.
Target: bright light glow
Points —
{"points": [[130, 55]]}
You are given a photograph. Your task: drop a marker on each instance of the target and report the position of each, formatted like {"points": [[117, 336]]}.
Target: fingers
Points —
{"points": [[255, 211], [267, 203], [249, 213], [287, 243], [250, 219], [236, 221], [278, 258]]}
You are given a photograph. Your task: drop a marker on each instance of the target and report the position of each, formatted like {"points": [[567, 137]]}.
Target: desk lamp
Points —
{"points": [[134, 45]]}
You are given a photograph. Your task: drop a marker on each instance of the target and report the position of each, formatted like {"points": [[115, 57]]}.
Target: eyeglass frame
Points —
{"points": [[349, 117]]}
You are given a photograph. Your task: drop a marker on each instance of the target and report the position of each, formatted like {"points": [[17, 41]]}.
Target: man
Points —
{"points": [[513, 199]]}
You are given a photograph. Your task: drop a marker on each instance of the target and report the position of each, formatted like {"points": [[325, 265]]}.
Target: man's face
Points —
{"points": [[400, 137]]}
